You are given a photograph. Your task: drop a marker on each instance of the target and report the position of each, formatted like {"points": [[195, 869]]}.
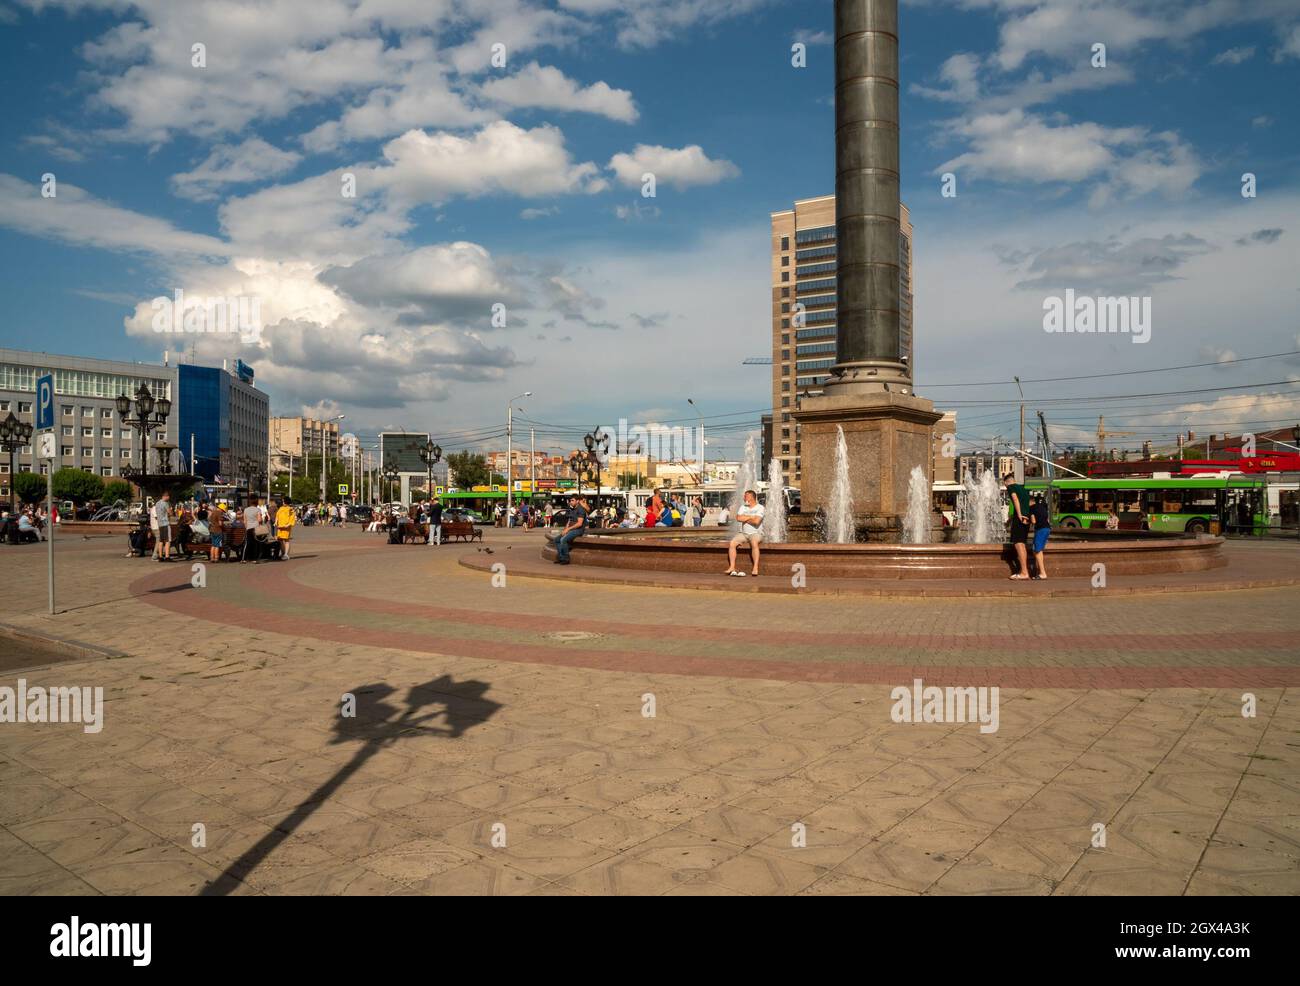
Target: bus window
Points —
{"points": [[1201, 501], [1242, 508], [1288, 503], [1162, 501], [1071, 502], [1099, 501], [1129, 502]]}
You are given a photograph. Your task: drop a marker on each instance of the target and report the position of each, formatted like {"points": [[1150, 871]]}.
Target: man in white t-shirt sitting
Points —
{"points": [[750, 516]]}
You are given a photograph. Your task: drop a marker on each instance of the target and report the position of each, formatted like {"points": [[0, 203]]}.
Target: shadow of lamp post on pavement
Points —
{"points": [[377, 724]]}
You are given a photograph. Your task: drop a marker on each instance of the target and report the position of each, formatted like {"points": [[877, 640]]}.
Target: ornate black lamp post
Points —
{"points": [[248, 467], [578, 466], [150, 412], [596, 444], [391, 472], [14, 434], [430, 455]]}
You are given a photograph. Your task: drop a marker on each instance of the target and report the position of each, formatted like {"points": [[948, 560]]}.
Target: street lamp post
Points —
{"points": [[150, 412], [14, 434], [510, 450], [597, 447], [391, 472], [703, 462], [247, 466], [339, 417], [581, 468], [585, 463], [281, 451], [430, 455]]}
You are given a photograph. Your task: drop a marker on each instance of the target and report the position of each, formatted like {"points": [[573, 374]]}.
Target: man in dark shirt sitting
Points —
{"points": [[574, 529]]}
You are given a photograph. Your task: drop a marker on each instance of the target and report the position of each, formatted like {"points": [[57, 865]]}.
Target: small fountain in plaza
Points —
{"points": [[916, 524], [839, 516], [981, 511], [774, 513], [747, 477]]}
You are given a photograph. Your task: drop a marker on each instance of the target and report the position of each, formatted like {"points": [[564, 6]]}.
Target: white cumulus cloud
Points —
{"points": [[678, 167]]}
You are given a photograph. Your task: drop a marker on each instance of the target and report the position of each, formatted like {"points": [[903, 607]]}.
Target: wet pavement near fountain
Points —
{"points": [[770, 710]]}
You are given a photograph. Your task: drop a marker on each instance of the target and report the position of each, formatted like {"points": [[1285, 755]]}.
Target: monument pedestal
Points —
{"points": [[887, 434]]}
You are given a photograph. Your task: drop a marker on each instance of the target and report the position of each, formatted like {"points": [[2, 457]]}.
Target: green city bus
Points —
{"points": [[1206, 505]]}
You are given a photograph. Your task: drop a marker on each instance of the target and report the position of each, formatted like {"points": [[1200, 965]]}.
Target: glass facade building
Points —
{"points": [[227, 417], [805, 303]]}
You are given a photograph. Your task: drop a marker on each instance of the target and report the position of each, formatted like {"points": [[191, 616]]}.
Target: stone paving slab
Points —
{"points": [[473, 766]]}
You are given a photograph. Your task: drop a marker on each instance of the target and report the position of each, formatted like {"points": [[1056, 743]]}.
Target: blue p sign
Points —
{"points": [[45, 402]]}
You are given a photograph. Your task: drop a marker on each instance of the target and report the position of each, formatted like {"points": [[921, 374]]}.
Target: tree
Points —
{"points": [[77, 485], [118, 489], [306, 482], [29, 486], [469, 469], [1078, 462]]}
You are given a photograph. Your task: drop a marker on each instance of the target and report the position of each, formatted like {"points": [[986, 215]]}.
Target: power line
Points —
{"points": [[1075, 399], [1120, 373]]}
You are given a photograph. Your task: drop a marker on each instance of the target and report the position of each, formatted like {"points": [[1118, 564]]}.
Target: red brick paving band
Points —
{"points": [[276, 583]]}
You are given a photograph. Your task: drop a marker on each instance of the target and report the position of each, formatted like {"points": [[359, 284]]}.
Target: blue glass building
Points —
{"points": [[227, 417]]}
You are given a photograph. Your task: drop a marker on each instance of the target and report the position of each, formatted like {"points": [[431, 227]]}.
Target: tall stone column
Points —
{"points": [[887, 428], [867, 195]]}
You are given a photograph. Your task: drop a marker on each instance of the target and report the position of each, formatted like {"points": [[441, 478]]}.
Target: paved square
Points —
{"points": [[502, 741]]}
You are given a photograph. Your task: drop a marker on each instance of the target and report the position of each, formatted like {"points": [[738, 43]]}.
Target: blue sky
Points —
{"points": [[480, 184]]}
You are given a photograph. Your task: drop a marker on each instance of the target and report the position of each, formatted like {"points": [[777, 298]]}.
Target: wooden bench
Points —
{"points": [[461, 530]]}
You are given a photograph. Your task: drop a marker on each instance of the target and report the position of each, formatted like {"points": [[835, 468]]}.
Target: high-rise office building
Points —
{"points": [[803, 313], [224, 416]]}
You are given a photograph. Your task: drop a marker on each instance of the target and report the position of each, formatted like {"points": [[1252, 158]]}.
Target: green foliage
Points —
{"points": [[30, 487], [1079, 462], [77, 485], [117, 489], [306, 485], [468, 469]]}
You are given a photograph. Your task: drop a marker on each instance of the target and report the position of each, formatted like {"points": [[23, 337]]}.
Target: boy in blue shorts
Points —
{"points": [[1042, 518]]}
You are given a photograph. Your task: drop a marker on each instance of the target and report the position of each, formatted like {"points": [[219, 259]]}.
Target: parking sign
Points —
{"points": [[45, 402]]}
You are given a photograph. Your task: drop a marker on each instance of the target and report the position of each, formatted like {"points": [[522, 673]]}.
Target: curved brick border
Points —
{"points": [[698, 551], [275, 582], [995, 586]]}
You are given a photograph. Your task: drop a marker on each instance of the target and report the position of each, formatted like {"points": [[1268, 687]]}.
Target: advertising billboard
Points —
{"points": [[402, 449]]}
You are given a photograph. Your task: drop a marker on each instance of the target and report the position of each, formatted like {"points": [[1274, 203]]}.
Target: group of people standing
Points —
{"points": [[267, 529], [333, 514], [1031, 523], [522, 515], [667, 509]]}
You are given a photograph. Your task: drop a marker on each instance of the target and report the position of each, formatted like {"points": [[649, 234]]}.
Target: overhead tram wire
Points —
{"points": [[581, 429], [1118, 373], [562, 433], [1074, 399]]}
